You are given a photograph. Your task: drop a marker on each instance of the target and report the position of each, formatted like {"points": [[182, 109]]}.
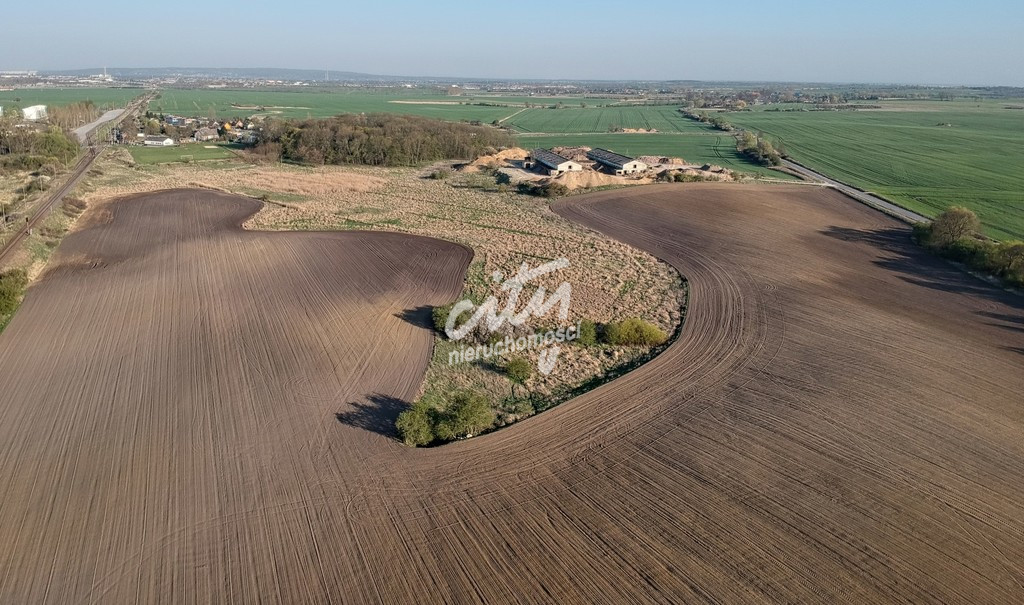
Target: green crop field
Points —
{"points": [[925, 155], [325, 103], [571, 119], [694, 148], [196, 152], [104, 98]]}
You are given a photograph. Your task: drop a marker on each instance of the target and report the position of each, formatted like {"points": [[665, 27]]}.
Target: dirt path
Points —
{"points": [[839, 421]]}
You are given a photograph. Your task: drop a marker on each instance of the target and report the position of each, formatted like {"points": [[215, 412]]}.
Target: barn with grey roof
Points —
{"points": [[552, 162], [616, 162]]}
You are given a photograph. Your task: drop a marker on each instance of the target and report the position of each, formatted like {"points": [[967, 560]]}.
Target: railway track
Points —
{"points": [[44, 209], [55, 197]]}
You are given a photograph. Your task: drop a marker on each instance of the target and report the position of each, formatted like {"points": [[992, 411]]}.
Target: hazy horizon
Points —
{"points": [[916, 43]]}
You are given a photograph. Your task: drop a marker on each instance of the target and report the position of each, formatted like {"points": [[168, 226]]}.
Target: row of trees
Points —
{"points": [[758, 149], [956, 234], [72, 115], [377, 140], [749, 144], [714, 120]]}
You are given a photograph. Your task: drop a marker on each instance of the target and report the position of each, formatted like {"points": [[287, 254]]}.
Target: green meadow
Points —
{"points": [[925, 155]]}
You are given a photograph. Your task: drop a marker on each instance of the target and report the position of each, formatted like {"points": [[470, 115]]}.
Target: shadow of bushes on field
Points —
{"points": [[421, 317], [377, 414], [917, 266]]}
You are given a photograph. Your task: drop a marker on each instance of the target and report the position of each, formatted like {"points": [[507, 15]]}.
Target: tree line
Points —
{"points": [[755, 147], [376, 140], [956, 234]]}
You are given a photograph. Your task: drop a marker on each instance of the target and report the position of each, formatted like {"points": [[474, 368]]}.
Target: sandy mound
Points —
{"points": [[660, 160], [505, 155], [589, 179], [576, 154]]}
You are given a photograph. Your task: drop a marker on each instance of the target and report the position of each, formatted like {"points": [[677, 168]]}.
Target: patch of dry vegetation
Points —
{"points": [[610, 280]]}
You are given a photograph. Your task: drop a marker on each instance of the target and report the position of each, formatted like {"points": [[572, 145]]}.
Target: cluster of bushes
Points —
{"points": [[548, 190], [633, 332], [12, 286], [758, 149], [34, 185], [681, 177], [432, 419], [715, 121], [22, 149], [377, 140], [955, 234]]}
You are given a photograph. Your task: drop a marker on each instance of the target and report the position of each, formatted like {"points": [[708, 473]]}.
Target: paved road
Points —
{"points": [[861, 196], [83, 132]]}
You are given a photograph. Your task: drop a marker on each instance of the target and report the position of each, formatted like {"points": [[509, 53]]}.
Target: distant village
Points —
{"points": [[166, 130]]}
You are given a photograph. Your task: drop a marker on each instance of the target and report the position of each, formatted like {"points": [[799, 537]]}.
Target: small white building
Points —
{"points": [[552, 162], [615, 162], [34, 113], [158, 141]]}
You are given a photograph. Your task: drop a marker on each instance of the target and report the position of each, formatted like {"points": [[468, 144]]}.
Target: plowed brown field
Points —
{"points": [[839, 421]]}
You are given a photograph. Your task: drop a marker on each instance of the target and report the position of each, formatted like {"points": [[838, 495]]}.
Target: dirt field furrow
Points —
{"points": [[195, 413]]}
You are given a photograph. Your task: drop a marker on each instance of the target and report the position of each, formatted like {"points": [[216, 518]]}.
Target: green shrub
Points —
{"points": [[548, 190], [12, 286], [416, 425], [468, 413], [588, 333], [634, 332], [554, 190], [439, 316], [921, 233], [440, 174], [518, 370]]}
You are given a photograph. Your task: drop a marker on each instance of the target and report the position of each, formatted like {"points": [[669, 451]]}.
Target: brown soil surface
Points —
{"points": [[839, 421]]}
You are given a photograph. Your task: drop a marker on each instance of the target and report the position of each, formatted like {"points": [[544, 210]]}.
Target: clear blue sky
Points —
{"points": [[921, 42]]}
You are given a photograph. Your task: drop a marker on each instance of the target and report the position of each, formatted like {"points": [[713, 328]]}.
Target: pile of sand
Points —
{"points": [[505, 155], [660, 160], [576, 154], [591, 178]]}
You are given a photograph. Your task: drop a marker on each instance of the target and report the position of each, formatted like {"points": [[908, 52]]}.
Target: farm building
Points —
{"points": [[158, 141], [618, 163], [206, 134], [552, 162], [35, 112]]}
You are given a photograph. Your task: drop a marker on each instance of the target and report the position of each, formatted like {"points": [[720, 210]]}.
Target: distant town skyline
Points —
{"points": [[927, 43]]}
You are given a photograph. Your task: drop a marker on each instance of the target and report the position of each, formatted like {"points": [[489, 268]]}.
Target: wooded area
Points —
{"points": [[377, 140]]}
